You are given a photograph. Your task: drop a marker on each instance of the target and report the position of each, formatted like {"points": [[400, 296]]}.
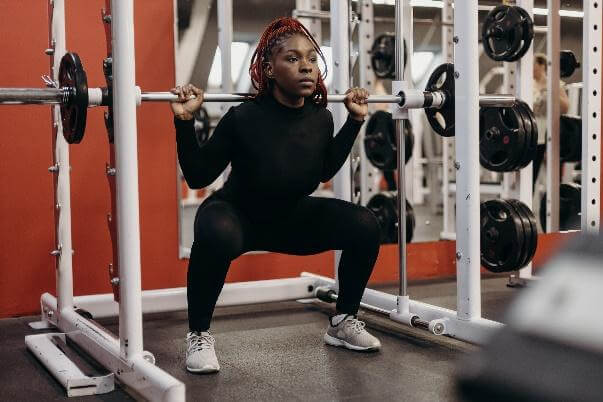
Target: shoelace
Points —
{"points": [[355, 324], [198, 342]]}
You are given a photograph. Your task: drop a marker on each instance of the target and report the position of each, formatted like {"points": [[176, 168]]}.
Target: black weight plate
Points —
{"points": [[567, 63], [383, 53], [530, 231], [501, 138], [532, 147], [442, 120], [569, 207], [380, 141], [527, 25], [502, 32], [525, 223], [570, 138], [529, 147], [501, 236], [533, 244], [75, 109], [384, 206]]}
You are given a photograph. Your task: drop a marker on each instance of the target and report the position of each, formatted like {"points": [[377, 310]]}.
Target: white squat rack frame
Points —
{"points": [[123, 356]]}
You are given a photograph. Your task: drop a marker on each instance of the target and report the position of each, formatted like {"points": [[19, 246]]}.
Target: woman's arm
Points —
{"points": [[202, 165], [563, 99], [339, 146]]}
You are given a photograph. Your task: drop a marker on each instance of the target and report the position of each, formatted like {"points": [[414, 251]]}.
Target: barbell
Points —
{"points": [[74, 96]]}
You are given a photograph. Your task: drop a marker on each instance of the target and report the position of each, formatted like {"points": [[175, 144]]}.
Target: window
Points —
{"points": [[238, 56]]}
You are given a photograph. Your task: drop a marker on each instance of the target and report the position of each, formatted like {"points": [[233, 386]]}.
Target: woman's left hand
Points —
{"points": [[356, 101]]}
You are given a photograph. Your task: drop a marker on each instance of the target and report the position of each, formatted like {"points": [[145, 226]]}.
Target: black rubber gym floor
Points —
{"points": [[275, 352]]}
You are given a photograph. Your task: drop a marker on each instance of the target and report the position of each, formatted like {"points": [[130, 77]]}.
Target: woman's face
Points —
{"points": [[294, 67]]}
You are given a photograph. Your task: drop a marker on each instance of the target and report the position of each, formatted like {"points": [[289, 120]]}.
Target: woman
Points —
{"points": [[280, 146]]}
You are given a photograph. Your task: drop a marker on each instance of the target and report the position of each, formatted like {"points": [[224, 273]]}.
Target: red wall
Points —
{"points": [[26, 211]]}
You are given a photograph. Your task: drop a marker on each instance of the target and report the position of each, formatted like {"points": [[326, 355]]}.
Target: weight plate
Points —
{"points": [[570, 138], [525, 224], [384, 206], [501, 236], [72, 78], [501, 138], [527, 28], [533, 243], [442, 120], [569, 207], [531, 134], [380, 141], [567, 63], [202, 126], [502, 33], [383, 53]]}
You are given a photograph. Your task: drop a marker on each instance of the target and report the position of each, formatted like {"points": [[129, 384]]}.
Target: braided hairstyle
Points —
{"points": [[277, 32]]}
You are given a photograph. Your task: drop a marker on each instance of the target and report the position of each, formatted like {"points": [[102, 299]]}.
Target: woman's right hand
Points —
{"points": [[185, 107]]}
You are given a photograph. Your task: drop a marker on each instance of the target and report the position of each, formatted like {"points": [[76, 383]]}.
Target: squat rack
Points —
{"points": [[124, 357]]}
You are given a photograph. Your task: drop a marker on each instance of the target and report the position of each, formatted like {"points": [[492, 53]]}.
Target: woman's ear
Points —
{"points": [[268, 70]]}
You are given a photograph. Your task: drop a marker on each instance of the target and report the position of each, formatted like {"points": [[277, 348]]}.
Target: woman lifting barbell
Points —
{"points": [[280, 146]]}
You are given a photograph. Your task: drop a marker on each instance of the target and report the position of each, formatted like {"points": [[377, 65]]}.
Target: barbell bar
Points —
{"points": [[97, 97]]}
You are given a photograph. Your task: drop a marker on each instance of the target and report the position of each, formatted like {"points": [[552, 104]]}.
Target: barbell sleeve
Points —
{"points": [[31, 96]]}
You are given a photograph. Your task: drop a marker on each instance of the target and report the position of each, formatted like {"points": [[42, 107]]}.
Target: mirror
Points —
{"points": [[431, 162]]}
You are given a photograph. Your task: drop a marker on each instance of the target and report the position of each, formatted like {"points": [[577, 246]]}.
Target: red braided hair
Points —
{"points": [[276, 32]]}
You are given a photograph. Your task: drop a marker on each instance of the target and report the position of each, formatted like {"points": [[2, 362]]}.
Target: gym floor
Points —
{"points": [[275, 352]]}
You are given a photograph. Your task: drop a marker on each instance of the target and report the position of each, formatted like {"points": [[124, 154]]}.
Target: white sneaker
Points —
{"points": [[350, 334], [200, 353]]}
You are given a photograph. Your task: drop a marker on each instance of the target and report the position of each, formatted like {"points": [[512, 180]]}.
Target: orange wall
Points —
{"points": [[26, 214]]}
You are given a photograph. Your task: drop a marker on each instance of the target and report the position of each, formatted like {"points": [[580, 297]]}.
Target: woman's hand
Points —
{"points": [[356, 101], [185, 106]]}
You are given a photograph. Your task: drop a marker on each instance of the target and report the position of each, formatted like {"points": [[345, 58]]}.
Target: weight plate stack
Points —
{"points": [[503, 138], [509, 235]]}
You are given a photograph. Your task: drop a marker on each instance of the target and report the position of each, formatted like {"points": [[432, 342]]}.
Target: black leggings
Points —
{"points": [[313, 225]]}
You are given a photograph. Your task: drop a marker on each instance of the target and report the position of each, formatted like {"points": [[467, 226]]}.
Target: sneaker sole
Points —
{"points": [[204, 370], [331, 340]]}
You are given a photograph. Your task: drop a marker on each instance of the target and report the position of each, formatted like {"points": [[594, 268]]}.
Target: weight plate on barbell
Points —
{"points": [[74, 109], [442, 120]]}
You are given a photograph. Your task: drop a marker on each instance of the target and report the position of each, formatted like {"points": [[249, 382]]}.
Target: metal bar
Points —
{"points": [[366, 32], [312, 22], [19, 96], [128, 224], [525, 80], [401, 199], [591, 116], [467, 146], [340, 40], [552, 117], [62, 190]]}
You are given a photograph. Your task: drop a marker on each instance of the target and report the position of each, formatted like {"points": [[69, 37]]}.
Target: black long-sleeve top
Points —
{"points": [[277, 153]]}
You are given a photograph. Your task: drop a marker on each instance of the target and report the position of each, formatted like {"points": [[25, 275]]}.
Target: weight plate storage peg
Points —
{"points": [[74, 107], [384, 206], [507, 235]]}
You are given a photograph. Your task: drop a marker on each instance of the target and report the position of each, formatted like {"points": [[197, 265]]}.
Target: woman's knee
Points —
{"points": [[219, 230], [368, 227]]}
